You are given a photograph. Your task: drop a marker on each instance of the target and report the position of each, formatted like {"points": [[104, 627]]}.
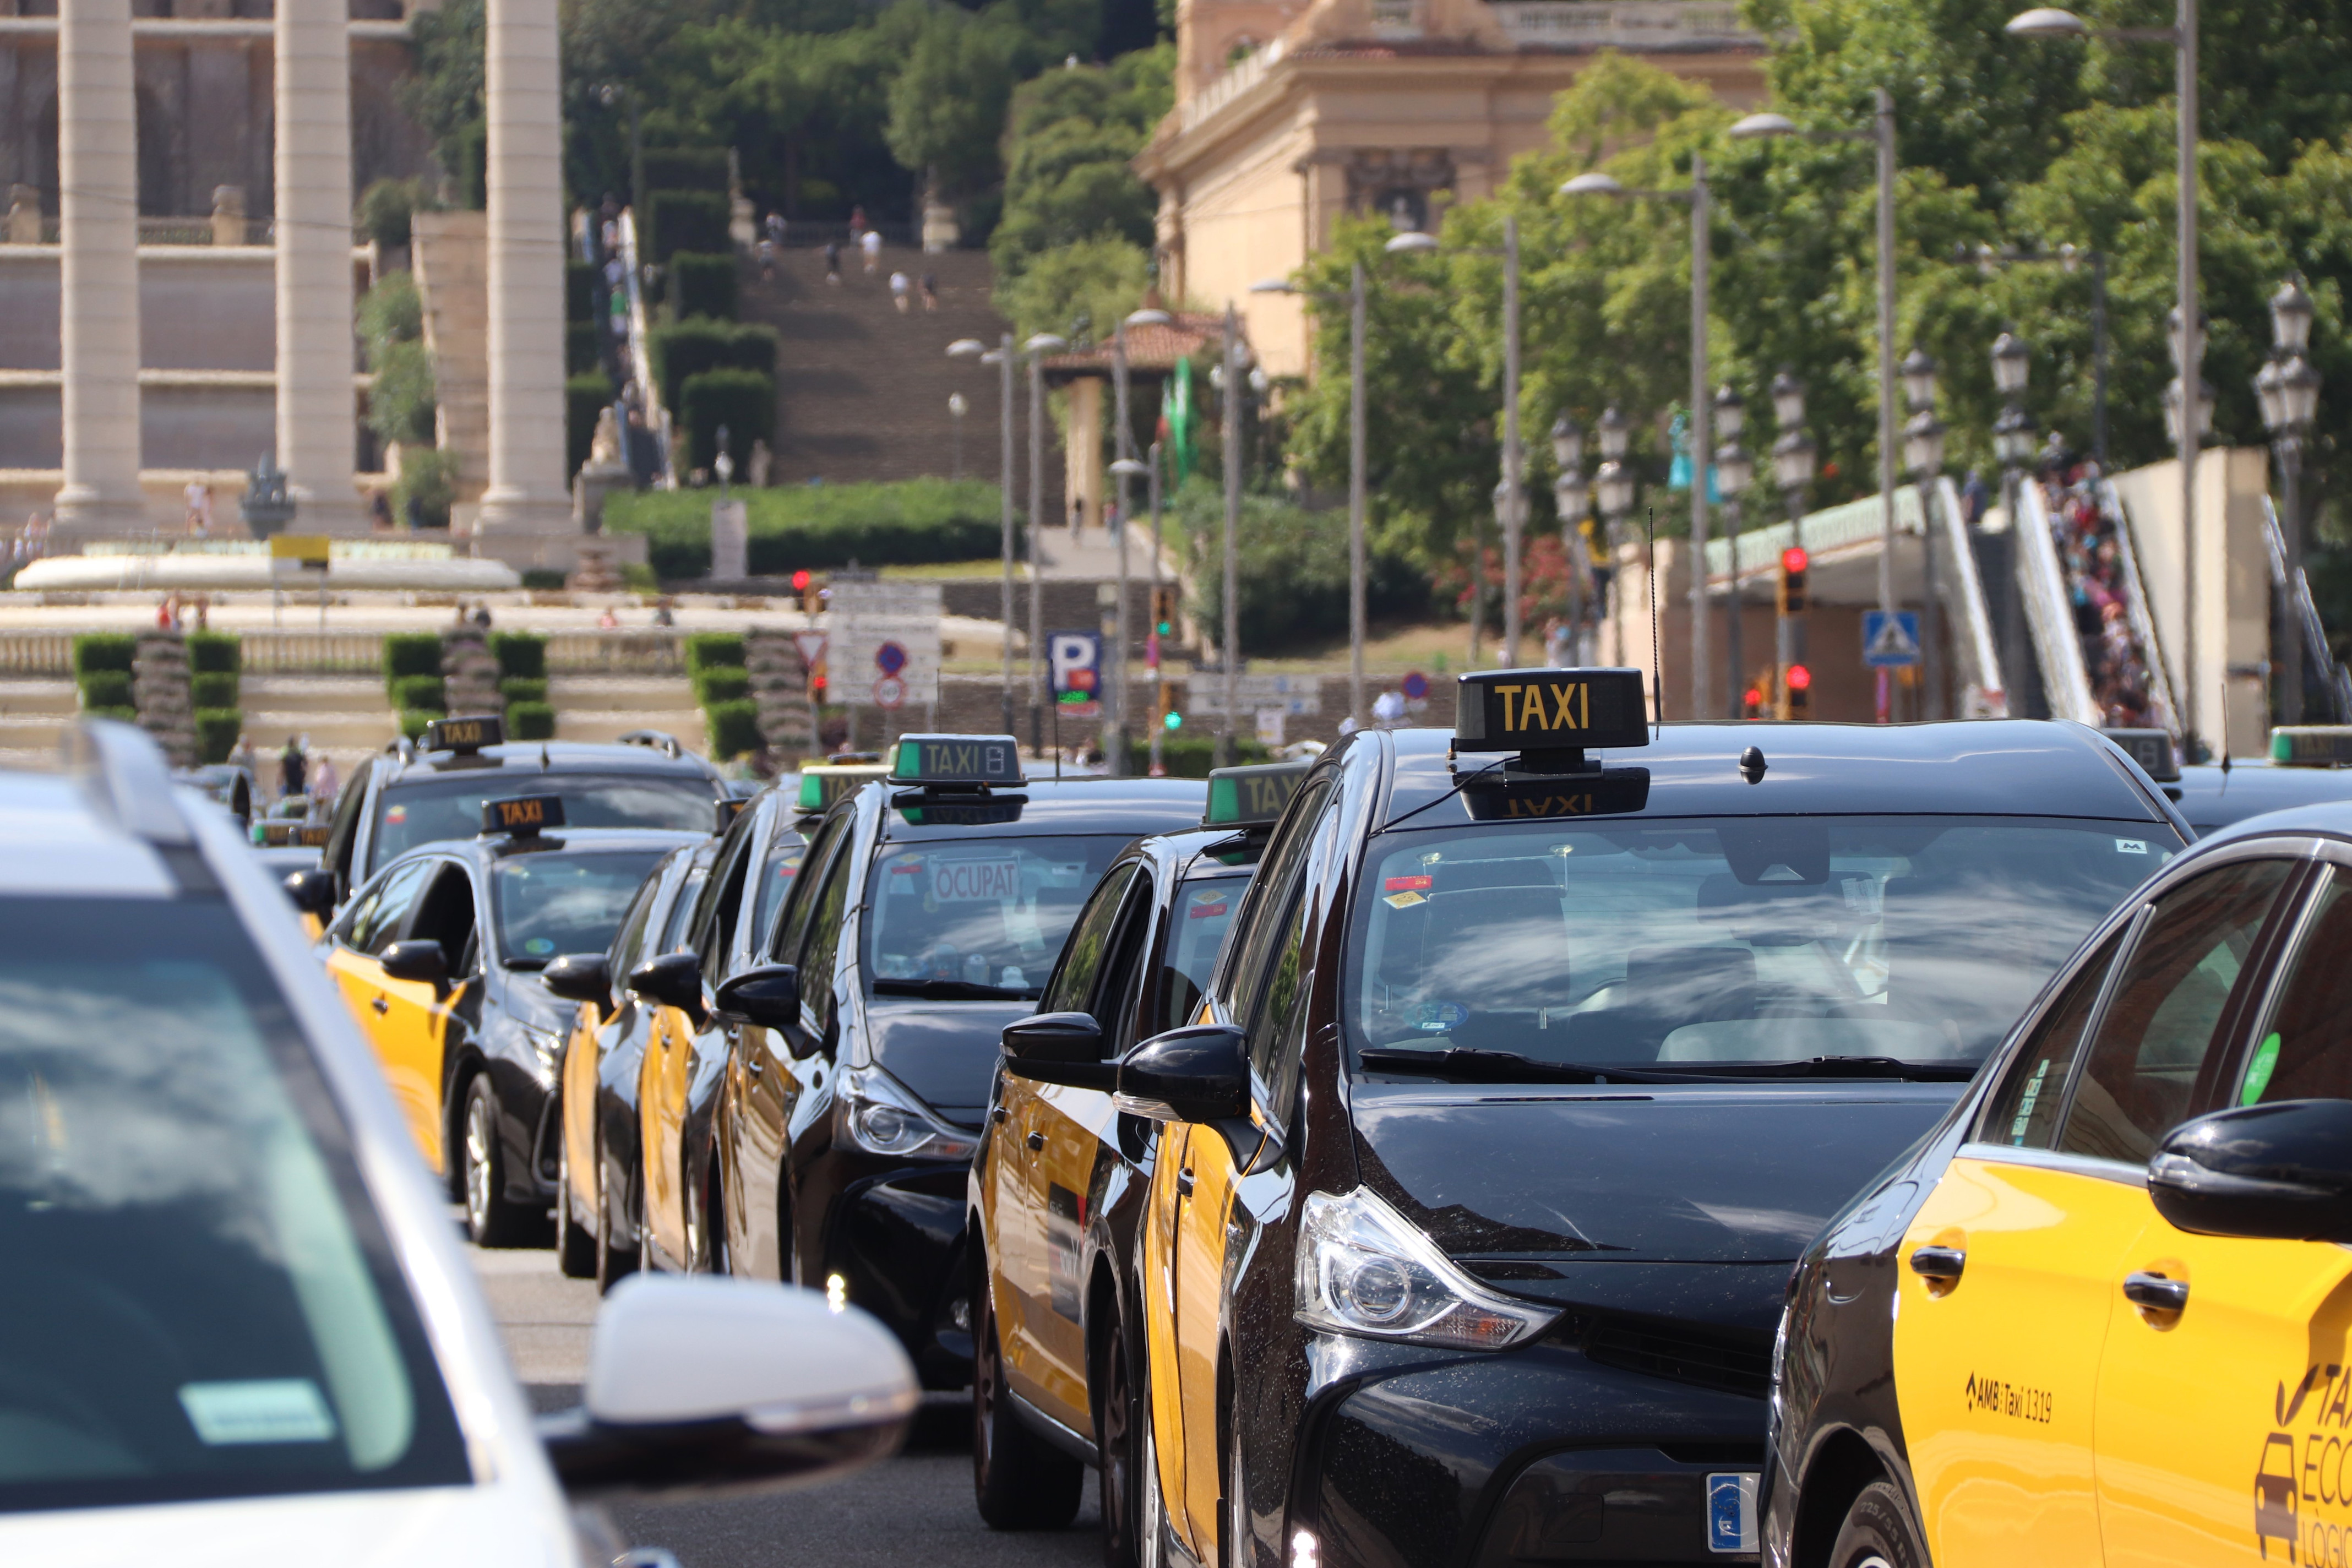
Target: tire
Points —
{"points": [[1019, 1481], [615, 1262], [490, 1219], [1119, 1481], [1878, 1532], [575, 1246]]}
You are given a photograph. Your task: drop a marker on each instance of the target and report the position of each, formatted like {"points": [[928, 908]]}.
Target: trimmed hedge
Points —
{"points": [[216, 732], [908, 522], [104, 688], [713, 650], [582, 353], [686, 169], [1192, 756], [522, 689], [584, 399], [218, 653], [531, 721], [413, 721], [734, 728], [126, 715], [422, 693], [520, 654], [686, 220], [104, 650], [742, 400], [722, 684], [579, 291], [212, 689], [701, 285], [687, 348], [411, 653]]}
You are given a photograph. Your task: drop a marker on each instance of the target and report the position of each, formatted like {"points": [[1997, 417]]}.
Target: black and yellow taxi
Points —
{"points": [[1538, 1052], [2104, 1314], [440, 957], [1057, 1187], [928, 911]]}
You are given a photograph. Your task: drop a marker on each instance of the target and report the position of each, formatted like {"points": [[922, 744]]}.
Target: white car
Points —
{"points": [[235, 1323]]}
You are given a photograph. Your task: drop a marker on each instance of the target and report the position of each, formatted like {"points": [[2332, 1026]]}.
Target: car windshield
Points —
{"points": [[1749, 940], [1204, 911], [424, 811], [551, 903], [199, 1298], [973, 917]]}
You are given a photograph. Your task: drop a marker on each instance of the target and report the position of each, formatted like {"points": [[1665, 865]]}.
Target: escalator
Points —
{"points": [[2085, 609], [2326, 684]]}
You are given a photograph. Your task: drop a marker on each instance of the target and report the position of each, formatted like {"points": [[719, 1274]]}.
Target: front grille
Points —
{"points": [[1710, 1361]]}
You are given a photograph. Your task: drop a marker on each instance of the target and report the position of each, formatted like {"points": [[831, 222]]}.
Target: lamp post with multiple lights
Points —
{"points": [[1569, 495], [2012, 443], [2288, 389], [1001, 357], [1039, 346], [1733, 472], [1922, 454]]}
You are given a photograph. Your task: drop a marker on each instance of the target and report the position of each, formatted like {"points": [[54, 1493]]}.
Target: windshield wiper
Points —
{"points": [[952, 991], [1462, 1064], [1853, 1067]]}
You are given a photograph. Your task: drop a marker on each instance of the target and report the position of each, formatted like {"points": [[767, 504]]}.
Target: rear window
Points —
{"points": [[198, 1296], [429, 810]]}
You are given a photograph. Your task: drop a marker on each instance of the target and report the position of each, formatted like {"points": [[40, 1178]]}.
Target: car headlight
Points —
{"points": [[546, 1044], [882, 1118], [1364, 1268]]}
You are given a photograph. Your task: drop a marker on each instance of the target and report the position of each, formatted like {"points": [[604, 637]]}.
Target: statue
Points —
{"points": [[604, 446], [266, 506]]}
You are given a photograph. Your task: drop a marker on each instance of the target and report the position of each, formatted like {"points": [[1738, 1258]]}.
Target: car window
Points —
{"points": [[548, 905], [1203, 914], [344, 828], [777, 873], [1268, 905], [975, 919], [377, 924], [2139, 1079], [814, 860], [1276, 1042], [445, 915], [200, 1298], [1072, 990], [2024, 1114], [426, 810], [628, 946], [822, 945], [2303, 1049], [722, 895], [681, 912]]}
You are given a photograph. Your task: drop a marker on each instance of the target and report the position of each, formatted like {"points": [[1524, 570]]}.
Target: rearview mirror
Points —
{"points": [[312, 891], [1059, 1048], [2282, 1171], [768, 997], [420, 960], [701, 1384], [1195, 1074], [673, 980], [580, 977]]}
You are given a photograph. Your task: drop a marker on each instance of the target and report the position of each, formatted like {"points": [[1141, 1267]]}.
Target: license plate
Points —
{"points": [[1731, 1512]]}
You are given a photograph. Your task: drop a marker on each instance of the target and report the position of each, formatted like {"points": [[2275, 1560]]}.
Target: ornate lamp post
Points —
{"points": [[1569, 495], [1001, 357], [2288, 389], [2012, 441], [1793, 455], [1922, 454], [1733, 474]]}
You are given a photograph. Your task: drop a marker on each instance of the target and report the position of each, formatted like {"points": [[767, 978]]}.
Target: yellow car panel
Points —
{"points": [[661, 1100], [1072, 1124], [407, 1022], [1161, 1220], [1200, 1278]]}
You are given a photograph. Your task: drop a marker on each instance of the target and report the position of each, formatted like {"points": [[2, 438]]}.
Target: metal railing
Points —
{"points": [[2334, 680], [638, 651], [1239, 78], [641, 359], [2136, 609], [1983, 686], [2049, 614]]}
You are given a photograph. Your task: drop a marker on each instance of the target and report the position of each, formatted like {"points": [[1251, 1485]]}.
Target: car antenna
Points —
{"points": [[2225, 731], [1657, 658], [543, 757]]}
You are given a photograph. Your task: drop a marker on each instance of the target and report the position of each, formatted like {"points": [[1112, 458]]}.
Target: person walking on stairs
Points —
{"points": [[869, 245], [898, 287], [931, 286], [832, 262]]}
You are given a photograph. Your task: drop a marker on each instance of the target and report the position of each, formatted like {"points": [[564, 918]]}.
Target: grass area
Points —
{"points": [[992, 568], [1391, 648]]}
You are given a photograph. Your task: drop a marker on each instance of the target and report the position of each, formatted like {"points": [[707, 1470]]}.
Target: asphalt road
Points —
{"points": [[912, 1511]]}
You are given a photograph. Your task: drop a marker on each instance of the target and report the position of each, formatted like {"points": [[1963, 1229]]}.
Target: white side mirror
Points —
{"points": [[702, 1384]]}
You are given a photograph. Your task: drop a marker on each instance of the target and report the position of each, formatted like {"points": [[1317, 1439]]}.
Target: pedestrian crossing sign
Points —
{"points": [[1890, 639]]}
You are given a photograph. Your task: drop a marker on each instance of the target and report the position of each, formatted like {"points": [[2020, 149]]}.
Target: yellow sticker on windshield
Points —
{"points": [[1403, 900]]}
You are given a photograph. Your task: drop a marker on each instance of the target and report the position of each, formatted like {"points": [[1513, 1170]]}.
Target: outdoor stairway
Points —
{"points": [[606, 707], [35, 714], [345, 714]]}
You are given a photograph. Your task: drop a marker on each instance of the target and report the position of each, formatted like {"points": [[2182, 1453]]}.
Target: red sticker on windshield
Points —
{"points": [[1204, 911], [395, 814], [1407, 884]]}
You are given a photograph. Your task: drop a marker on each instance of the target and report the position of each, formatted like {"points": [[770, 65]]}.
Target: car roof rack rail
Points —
{"points": [[656, 739]]}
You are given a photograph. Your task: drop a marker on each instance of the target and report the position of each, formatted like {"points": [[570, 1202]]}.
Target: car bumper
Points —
{"points": [[897, 1241]]}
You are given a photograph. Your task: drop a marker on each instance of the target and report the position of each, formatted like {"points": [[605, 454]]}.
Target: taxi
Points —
{"points": [[2303, 765], [862, 1038], [440, 959], [1538, 1054], [1057, 1187], [2104, 1314]]}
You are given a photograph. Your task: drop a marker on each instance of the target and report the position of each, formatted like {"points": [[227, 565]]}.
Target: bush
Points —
{"points": [[212, 689], [579, 291], [104, 650], [390, 312], [1293, 569], [713, 650], [734, 728], [542, 577], [106, 689], [701, 285], [531, 721], [686, 349], [744, 401], [522, 689], [123, 714], [910, 522], [686, 169], [401, 400], [520, 654], [216, 732], [582, 351], [385, 207], [722, 684], [217, 652], [584, 400], [411, 653], [430, 477], [1192, 756], [412, 722], [686, 220], [424, 692]]}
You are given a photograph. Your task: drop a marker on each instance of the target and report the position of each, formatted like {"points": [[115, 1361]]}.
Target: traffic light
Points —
{"points": [[1794, 563], [1789, 634], [1163, 611], [1799, 682], [1752, 703], [1175, 720], [801, 580]]}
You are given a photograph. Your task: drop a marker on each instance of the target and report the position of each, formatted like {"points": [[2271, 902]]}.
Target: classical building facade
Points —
{"points": [[1292, 112]]}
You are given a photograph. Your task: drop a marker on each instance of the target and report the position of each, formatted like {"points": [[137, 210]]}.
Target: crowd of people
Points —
{"points": [[2087, 529]]}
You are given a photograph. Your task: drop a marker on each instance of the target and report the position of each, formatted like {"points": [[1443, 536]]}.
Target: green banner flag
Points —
{"points": [[1176, 409]]}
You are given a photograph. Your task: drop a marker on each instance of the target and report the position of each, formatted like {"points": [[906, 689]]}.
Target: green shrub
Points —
{"points": [[522, 689], [390, 312], [419, 692], [908, 523], [687, 348], [216, 732], [542, 577], [413, 721], [531, 721], [720, 684], [638, 578], [400, 401], [104, 650], [584, 399], [686, 220], [582, 350], [579, 291], [520, 654], [430, 477], [734, 728], [1293, 569], [713, 650], [686, 169], [701, 285], [744, 401], [1192, 756], [411, 653], [386, 207], [106, 689], [127, 715], [212, 689], [218, 652]]}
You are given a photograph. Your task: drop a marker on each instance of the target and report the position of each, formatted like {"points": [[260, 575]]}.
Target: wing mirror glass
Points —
{"points": [[420, 960], [704, 1385], [2282, 1171], [312, 891], [1059, 1048], [768, 997], [580, 977], [673, 980]]}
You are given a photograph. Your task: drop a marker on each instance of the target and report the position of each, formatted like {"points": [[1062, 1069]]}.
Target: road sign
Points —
{"points": [[308, 551], [812, 646], [1415, 686], [863, 618], [889, 693], [1075, 662], [1890, 639], [890, 658], [1295, 695]]}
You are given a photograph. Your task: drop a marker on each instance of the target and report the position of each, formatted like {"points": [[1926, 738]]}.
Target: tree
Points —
{"points": [[948, 103], [1074, 213]]}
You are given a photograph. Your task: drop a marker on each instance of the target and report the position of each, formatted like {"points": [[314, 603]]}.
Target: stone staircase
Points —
{"points": [[348, 715], [35, 714], [606, 707]]}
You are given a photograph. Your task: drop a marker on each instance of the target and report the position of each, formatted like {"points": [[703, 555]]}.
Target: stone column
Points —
{"points": [[97, 167], [528, 493], [316, 409]]}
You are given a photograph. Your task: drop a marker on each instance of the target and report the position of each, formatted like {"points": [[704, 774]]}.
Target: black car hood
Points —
{"points": [[527, 999], [1570, 1181], [945, 1051]]}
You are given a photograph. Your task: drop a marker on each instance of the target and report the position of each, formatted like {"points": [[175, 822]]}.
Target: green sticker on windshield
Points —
{"points": [[2259, 1070]]}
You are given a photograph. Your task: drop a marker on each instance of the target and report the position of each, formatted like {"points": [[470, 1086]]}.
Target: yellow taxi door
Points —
{"points": [[1163, 1216], [2225, 1427], [384, 1007], [661, 1110]]}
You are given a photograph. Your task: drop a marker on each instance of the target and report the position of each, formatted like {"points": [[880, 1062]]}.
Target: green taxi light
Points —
{"points": [[2312, 745], [823, 784], [956, 760], [1175, 720], [2152, 749], [1251, 796]]}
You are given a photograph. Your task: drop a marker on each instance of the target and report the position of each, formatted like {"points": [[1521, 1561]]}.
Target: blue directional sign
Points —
{"points": [[1890, 639]]}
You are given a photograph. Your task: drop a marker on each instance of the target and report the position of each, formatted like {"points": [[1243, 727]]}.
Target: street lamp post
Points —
{"points": [[1153, 652], [1115, 727], [1701, 204], [1039, 346], [2288, 389], [1923, 454], [1001, 357], [2068, 257], [958, 406], [2012, 441], [1231, 634], [1568, 495], [1732, 465], [1793, 454]]}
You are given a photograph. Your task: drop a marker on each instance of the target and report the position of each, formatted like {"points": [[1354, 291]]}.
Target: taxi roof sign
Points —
{"points": [[823, 784], [965, 760], [2312, 745], [522, 816], [1251, 796], [465, 734], [1549, 710], [2152, 749]]}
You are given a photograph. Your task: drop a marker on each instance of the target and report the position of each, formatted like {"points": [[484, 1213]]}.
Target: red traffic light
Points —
{"points": [[1799, 678], [801, 580], [1794, 559], [1755, 697]]}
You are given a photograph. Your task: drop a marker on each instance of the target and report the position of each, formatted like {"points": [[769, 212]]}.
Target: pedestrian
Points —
{"points": [[869, 245], [931, 286], [200, 508], [324, 786], [244, 756], [898, 286], [1974, 496], [857, 222], [833, 261], [776, 229], [767, 260], [290, 767], [164, 613], [763, 461], [204, 611], [662, 617], [379, 511], [1077, 514], [616, 316], [482, 615], [1556, 642], [608, 621]]}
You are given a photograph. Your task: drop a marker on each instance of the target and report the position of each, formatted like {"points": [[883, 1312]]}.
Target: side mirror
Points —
{"points": [[703, 1384], [1195, 1074], [580, 977], [420, 960], [312, 891], [1059, 1048], [768, 997], [2281, 1171], [673, 980]]}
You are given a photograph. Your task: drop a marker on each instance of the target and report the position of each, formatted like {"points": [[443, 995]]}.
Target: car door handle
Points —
{"points": [[1184, 1182], [381, 1005], [998, 1113], [2156, 1292], [1035, 1141], [1942, 1264]]}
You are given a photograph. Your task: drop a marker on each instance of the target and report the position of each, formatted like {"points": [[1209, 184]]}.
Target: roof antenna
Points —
{"points": [[543, 757], [1657, 658], [2225, 728]]}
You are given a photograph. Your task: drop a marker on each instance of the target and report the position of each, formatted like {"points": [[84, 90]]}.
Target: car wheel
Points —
{"points": [[575, 1246], [490, 1219], [615, 1262], [1019, 1481], [1117, 1480], [1878, 1532]]}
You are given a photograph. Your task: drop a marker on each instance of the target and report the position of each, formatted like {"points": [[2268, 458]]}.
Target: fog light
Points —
{"points": [[1304, 1552], [837, 1291]]}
